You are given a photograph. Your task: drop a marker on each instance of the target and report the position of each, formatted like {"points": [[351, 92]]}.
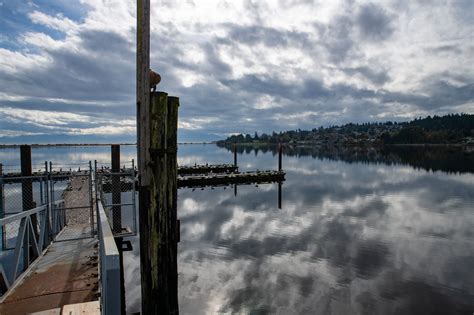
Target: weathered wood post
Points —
{"points": [[157, 176], [158, 226], [147, 260], [116, 189]]}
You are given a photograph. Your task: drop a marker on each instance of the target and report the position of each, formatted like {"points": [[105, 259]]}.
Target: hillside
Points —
{"points": [[449, 129]]}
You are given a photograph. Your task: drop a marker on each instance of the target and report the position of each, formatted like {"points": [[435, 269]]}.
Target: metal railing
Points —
{"points": [[117, 192], [109, 261], [37, 228]]}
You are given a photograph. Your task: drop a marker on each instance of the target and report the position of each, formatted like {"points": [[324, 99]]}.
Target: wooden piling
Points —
{"points": [[116, 191], [158, 225], [143, 91], [143, 144], [26, 184]]}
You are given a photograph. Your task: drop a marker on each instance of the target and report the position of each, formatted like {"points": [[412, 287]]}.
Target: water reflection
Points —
{"points": [[430, 158], [359, 232], [351, 238]]}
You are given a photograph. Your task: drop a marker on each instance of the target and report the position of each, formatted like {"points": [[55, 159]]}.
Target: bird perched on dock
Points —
{"points": [[155, 78]]}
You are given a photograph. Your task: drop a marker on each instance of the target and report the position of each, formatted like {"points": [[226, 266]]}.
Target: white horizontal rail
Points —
{"points": [[20, 215], [109, 260]]}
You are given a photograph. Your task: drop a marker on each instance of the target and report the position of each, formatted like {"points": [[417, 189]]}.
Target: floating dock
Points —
{"points": [[210, 179], [206, 169], [231, 179]]}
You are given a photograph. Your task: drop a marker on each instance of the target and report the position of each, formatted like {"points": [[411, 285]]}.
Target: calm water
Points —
{"points": [[359, 232]]}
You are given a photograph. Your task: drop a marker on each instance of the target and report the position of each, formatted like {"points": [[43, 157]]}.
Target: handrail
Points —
{"points": [[23, 214], [29, 242], [109, 260]]}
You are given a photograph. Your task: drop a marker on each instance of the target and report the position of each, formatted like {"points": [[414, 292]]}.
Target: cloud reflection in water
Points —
{"points": [[356, 238]]}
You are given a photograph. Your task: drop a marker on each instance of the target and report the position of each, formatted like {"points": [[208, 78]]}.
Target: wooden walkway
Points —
{"points": [[68, 271]]}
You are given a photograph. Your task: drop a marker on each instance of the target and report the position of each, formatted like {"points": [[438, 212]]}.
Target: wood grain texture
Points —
{"points": [[143, 89], [158, 223]]}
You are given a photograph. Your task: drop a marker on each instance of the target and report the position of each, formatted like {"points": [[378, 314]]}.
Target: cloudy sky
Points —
{"points": [[67, 67]]}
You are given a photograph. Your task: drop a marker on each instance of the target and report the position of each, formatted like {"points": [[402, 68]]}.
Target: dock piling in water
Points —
{"points": [[116, 191], [158, 210]]}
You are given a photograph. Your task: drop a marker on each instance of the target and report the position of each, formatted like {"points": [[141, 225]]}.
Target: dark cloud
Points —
{"points": [[337, 38], [221, 70], [378, 77], [445, 49], [374, 23], [271, 37], [441, 94]]}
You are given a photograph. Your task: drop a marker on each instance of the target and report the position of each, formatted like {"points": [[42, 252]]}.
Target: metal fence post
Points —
{"points": [[50, 222], [91, 202], [41, 191], [96, 187], [134, 201], [51, 181], [48, 216]]}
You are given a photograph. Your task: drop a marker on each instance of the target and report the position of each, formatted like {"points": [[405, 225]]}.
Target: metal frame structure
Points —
{"points": [[31, 242], [28, 245], [100, 178]]}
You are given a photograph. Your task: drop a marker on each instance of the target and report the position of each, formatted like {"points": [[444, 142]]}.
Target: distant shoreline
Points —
{"points": [[254, 144], [46, 145], [346, 145]]}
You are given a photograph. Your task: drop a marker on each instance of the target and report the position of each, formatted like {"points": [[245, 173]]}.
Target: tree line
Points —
{"points": [[451, 128]]}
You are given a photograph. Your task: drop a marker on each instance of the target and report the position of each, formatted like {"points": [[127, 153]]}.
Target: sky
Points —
{"points": [[67, 67]]}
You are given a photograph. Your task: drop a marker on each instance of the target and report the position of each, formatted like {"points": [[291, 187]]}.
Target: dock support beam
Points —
{"points": [[157, 176], [158, 225], [143, 145]]}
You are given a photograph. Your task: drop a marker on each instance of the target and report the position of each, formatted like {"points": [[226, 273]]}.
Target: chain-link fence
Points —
{"points": [[21, 193], [76, 191], [118, 196]]}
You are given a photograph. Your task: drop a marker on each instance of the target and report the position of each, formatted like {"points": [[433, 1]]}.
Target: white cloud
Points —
{"points": [[249, 65], [58, 22]]}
